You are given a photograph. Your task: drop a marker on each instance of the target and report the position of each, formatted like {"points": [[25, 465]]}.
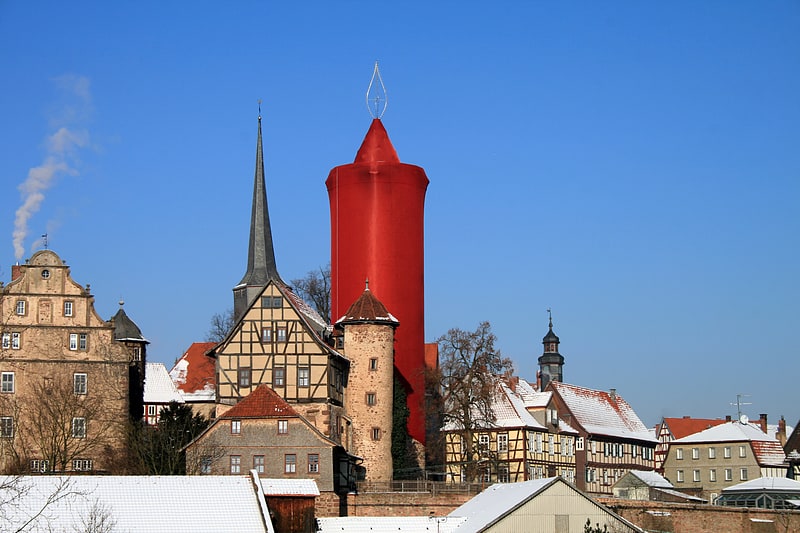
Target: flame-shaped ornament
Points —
{"points": [[377, 99]]}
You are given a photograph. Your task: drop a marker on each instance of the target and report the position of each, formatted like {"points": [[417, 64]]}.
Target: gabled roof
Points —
{"points": [[685, 426], [194, 373], [261, 403], [768, 450], [368, 309], [532, 398], [598, 413], [142, 504], [158, 386], [501, 499], [650, 478]]}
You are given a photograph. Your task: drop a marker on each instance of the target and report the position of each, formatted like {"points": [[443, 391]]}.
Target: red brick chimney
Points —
{"points": [[16, 271], [762, 421], [781, 434], [513, 382]]}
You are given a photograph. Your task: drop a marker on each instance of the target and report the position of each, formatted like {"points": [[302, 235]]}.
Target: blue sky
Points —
{"points": [[633, 166]]}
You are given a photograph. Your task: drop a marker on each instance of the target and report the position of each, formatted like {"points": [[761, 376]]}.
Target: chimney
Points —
{"points": [[727, 418], [613, 394], [16, 271], [539, 380], [781, 433], [513, 382], [686, 416], [762, 421]]}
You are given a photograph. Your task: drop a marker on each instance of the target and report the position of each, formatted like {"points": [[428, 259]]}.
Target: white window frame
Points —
{"points": [[290, 466], [579, 444], [280, 334], [679, 476], [21, 307], [236, 464], [6, 342], [68, 308], [303, 376], [8, 383], [712, 475], [742, 450], [726, 452], [78, 427], [679, 454], [483, 442], [73, 342], [39, 465], [266, 335], [539, 443], [502, 442], [728, 474], [743, 474], [80, 383], [16, 341], [712, 453], [82, 465], [283, 427], [696, 476], [695, 453], [236, 427], [551, 444], [313, 466], [258, 463]]}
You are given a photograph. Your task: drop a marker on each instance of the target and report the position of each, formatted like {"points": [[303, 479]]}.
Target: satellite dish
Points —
{"points": [[743, 419]]}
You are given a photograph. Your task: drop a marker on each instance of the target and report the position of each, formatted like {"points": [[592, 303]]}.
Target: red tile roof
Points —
{"points": [[261, 403], [683, 427], [368, 309], [195, 371]]}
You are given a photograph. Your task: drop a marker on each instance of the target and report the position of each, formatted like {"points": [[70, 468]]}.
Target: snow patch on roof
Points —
{"points": [[158, 386]]}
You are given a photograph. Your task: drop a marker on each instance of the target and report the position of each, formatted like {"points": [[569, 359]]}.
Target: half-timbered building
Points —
{"points": [[514, 447], [612, 440]]}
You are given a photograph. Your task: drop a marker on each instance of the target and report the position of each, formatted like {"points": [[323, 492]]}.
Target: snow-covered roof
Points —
{"points": [[289, 487], [498, 500], [373, 524], [600, 413], [782, 484], [509, 412], [532, 398], [194, 373], [158, 385], [652, 479], [768, 450], [137, 504]]}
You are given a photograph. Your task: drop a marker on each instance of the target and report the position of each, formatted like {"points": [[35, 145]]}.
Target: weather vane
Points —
{"points": [[377, 99], [44, 240]]}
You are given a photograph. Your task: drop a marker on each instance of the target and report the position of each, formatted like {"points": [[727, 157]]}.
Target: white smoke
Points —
{"points": [[60, 154]]}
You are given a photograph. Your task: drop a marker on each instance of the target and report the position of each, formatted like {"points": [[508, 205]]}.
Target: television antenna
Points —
{"points": [[739, 403]]}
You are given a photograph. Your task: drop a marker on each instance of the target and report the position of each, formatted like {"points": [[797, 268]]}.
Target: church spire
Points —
{"points": [[551, 363], [261, 268]]}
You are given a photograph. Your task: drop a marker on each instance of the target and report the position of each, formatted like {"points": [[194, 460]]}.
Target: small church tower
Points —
{"points": [[369, 345], [261, 267], [551, 363]]}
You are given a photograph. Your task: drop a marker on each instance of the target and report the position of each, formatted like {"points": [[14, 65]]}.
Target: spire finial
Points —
{"points": [[44, 240], [366, 283], [550, 314], [121, 301], [259, 109], [377, 99]]}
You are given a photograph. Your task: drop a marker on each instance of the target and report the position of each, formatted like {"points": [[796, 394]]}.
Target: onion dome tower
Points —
{"points": [[377, 214], [551, 363], [369, 333], [261, 267]]}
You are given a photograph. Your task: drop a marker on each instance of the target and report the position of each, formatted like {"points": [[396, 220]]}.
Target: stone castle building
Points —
{"points": [[70, 380]]}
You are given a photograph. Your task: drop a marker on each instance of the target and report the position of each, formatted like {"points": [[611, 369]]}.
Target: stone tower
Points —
{"points": [[551, 363], [369, 333]]}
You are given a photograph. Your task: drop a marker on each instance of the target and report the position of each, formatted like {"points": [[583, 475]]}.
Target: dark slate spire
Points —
{"points": [[261, 268]]}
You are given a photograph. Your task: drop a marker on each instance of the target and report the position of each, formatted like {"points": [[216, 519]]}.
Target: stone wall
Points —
{"points": [[700, 518], [404, 503]]}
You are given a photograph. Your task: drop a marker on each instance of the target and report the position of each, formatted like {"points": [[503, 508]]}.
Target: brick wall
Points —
{"points": [[403, 503]]}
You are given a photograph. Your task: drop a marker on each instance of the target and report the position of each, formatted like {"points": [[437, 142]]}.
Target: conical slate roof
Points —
{"points": [[126, 329], [368, 309]]}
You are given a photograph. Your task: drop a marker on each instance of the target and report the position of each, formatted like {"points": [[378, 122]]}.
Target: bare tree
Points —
{"points": [[62, 426], [17, 515], [470, 368], [315, 289], [221, 325]]}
